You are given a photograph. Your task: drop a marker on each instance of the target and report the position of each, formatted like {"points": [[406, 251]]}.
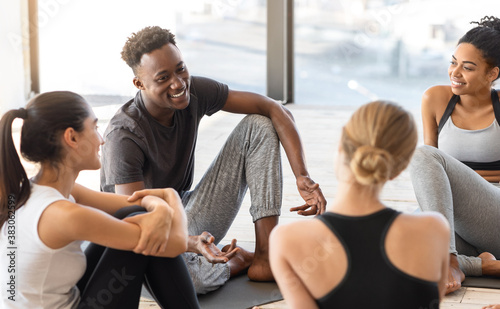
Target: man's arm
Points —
{"points": [[251, 103], [129, 188]]}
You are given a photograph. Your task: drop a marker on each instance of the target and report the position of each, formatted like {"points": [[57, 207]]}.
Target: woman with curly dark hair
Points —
{"points": [[457, 172]]}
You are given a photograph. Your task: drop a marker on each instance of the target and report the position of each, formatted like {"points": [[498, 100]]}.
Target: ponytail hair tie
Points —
{"points": [[22, 113]]}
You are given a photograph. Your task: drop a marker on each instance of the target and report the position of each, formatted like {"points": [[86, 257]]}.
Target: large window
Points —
{"points": [[348, 52], [81, 41]]}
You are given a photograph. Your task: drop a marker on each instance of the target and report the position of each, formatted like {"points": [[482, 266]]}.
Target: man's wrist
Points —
{"points": [[193, 244], [302, 177]]}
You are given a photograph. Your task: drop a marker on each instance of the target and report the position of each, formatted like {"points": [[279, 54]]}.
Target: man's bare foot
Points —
{"points": [[455, 275], [489, 264], [492, 307], [240, 262], [260, 270]]}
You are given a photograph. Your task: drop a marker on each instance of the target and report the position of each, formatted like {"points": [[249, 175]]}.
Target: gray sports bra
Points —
{"points": [[478, 149]]}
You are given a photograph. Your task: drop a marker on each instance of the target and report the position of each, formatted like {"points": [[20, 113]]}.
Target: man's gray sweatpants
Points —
{"points": [[469, 202], [250, 158]]}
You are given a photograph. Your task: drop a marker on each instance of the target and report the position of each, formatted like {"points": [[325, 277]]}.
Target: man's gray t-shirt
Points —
{"points": [[139, 148]]}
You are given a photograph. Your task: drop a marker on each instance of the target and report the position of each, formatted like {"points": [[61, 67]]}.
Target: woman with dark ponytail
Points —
{"points": [[364, 254], [14, 181], [44, 220], [457, 172]]}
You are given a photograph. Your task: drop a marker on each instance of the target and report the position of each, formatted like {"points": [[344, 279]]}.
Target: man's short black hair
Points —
{"points": [[143, 42]]}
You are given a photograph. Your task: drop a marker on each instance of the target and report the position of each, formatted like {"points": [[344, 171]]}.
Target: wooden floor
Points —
{"points": [[320, 131]]}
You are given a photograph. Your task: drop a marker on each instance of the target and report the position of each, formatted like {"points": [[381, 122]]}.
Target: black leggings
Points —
{"points": [[114, 278]]}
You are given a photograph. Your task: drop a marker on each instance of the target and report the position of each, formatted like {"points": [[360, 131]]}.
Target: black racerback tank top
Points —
{"points": [[372, 281]]}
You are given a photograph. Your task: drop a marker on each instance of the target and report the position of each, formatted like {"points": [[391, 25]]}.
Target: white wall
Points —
{"points": [[12, 81]]}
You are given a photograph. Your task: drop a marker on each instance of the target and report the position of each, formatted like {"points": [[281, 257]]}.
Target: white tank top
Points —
{"points": [[44, 277], [470, 145], [478, 149]]}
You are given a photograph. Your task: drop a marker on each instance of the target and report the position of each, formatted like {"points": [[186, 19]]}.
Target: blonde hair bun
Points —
{"points": [[378, 142], [371, 165]]}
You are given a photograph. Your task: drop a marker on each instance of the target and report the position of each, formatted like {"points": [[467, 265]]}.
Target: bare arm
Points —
{"points": [[107, 202], [129, 188], [290, 284], [283, 122], [154, 225], [76, 222], [429, 120], [178, 234], [434, 102], [444, 230]]}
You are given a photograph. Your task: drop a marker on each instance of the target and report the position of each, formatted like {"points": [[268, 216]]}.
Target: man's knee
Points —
{"points": [[262, 128], [262, 122]]}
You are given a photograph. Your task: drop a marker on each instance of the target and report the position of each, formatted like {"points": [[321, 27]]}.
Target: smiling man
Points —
{"points": [[150, 143]]}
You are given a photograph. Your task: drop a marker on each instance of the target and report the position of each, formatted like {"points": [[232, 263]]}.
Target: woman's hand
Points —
{"points": [[166, 194], [155, 225]]}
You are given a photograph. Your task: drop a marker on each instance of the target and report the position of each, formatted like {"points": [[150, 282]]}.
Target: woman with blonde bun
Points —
{"points": [[360, 253]]}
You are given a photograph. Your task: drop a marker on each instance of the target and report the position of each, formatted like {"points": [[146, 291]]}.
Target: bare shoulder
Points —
{"points": [[426, 223], [417, 244], [297, 230], [297, 236], [66, 213], [62, 208], [439, 91], [437, 96], [57, 223]]}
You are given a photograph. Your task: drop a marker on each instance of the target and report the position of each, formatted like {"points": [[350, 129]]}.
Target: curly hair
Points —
{"points": [[143, 42], [485, 37]]}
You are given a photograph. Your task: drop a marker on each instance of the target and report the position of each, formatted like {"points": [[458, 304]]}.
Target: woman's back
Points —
{"points": [[381, 260], [370, 269]]}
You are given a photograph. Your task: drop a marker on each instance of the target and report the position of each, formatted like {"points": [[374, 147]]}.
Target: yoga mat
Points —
{"points": [[477, 282], [482, 282], [241, 293], [238, 293]]}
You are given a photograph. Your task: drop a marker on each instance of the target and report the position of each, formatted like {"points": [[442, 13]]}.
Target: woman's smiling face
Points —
{"points": [[468, 71]]}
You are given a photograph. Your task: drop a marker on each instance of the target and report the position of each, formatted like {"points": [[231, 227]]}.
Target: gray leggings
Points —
{"points": [[468, 201], [250, 158]]}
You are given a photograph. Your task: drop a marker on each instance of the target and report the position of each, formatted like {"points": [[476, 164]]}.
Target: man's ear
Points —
{"points": [[138, 83], [70, 138]]}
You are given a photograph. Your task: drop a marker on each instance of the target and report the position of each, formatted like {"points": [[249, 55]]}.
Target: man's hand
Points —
{"points": [[155, 226], [204, 244], [312, 195]]}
